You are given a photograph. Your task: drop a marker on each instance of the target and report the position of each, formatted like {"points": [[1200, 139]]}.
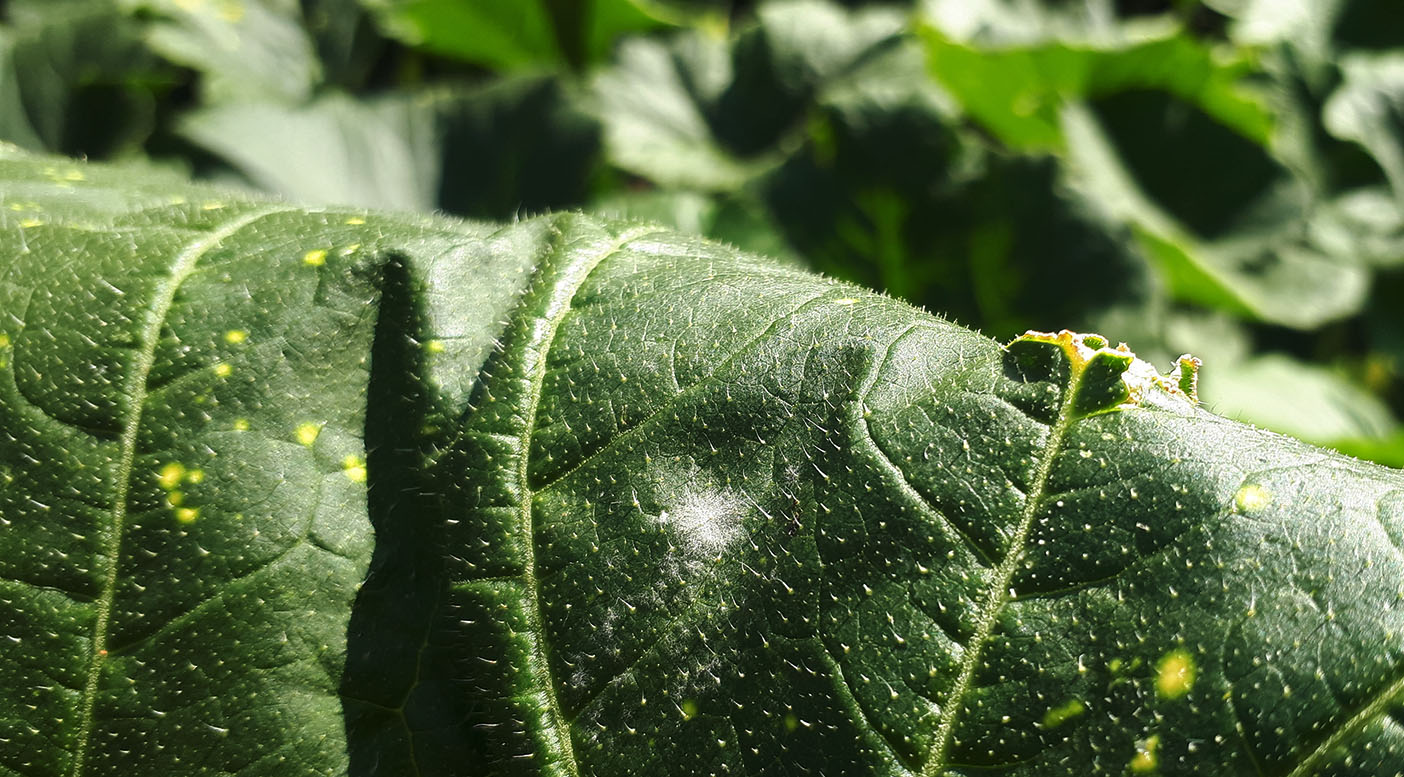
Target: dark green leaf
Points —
{"points": [[643, 504]]}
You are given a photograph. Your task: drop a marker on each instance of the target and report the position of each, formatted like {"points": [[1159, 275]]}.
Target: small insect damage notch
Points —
{"points": [[1106, 378]]}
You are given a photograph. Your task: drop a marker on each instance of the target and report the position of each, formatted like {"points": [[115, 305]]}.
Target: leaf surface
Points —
{"points": [[642, 504]]}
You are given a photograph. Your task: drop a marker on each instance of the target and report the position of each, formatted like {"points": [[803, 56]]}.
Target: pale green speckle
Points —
{"points": [[354, 468], [1146, 758], [1174, 674], [307, 433], [1064, 712], [1251, 498], [171, 474]]}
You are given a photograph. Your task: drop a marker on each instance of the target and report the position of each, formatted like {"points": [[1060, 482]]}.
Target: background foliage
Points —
{"points": [[1223, 177]]}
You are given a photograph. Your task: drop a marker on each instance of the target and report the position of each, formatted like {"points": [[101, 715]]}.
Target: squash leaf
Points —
{"points": [[630, 502]]}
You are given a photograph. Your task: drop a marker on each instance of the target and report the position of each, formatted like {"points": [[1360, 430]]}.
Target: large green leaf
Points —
{"points": [[642, 504], [183, 380]]}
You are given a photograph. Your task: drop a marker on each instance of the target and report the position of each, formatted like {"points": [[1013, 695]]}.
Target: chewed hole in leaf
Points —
{"points": [[1105, 378]]}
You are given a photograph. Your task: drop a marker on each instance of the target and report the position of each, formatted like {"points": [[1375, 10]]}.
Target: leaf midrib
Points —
{"points": [[135, 387], [559, 298], [998, 596]]}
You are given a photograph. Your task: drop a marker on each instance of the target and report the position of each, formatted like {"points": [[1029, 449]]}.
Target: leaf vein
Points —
{"points": [[135, 387]]}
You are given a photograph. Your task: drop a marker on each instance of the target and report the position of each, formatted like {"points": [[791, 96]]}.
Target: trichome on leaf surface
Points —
{"points": [[289, 491]]}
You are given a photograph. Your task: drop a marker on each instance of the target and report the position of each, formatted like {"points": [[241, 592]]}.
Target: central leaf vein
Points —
{"points": [[135, 387], [999, 593], [535, 351]]}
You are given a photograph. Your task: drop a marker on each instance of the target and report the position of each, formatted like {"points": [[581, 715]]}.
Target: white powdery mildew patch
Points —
{"points": [[706, 518], [707, 521]]}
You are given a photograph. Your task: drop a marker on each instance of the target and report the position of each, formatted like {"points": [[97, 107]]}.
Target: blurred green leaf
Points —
{"points": [[1309, 402], [244, 49], [77, 79], [1388, 451], [335, 150], [1017, 93], [515, 34], [1002, 23], [653, 104], [512, 147], [346, 40], [1244, 249], [1369, 109], [698, 113], [735, 219]]}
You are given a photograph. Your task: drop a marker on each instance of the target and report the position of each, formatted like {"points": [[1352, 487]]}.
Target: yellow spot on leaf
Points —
{"points": [[307, 433], [1174, 674], [4, 340], [187, 514], [74, 175], [223, 370], [434, 346], [31, 223], [354, 468], [175, 498], [171, 475], [846, 301], [1146, 760], [1063, 713], [351, 249], [241, 424], [195, 476], [355, 221], [315, 258], [235, 336], [212, 205], [689, 709], [1251, 498]]}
